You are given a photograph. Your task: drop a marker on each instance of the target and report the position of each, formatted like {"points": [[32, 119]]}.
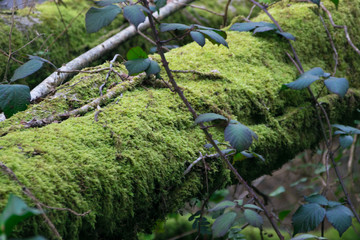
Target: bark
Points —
{"points": [[125, 160]]}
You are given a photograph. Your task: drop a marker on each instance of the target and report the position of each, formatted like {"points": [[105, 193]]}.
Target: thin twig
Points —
{"points": [[150, 40], [336, 56], [10, 39], [28, 193], [226, 13], [339, 26], [250, 13], [201, 8], [108, 74], [211, 74], [12, 57]]}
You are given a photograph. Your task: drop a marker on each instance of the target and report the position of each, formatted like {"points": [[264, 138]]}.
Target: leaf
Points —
{"points": [[198, 37], [136, 53], [336, 2], [42, 59], [304, 179], [214, 37], [97, 18], [160, 3], [208, 117], [263, 29], [338, 86], [317, 198], [15, 212], [283, 214], [307, 217], [227, 151], [209, 145], [346, 141], [108, 2], [223, 205], [27, 69], [35, 238], [137, 66], [244, 27], [347, 129], [223, 223], [134, 14], [14, 98], [286, 35], [154, 49], [340, 217], [239, 136], [154, 68], [165, 27], [306, 79], [304, 237], [317, 2], [278, 191], [252, 206], [253, 218]]}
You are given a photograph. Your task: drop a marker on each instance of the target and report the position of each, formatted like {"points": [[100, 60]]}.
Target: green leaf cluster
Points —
{"points": [[308, 216], [138, 61]]}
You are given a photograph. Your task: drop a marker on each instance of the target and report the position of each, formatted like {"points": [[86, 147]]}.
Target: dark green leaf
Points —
{"points": [[307, 217], [209, 145], [108, 2], [244, 27], [253, 218], [263, 29], [136, 53], [340, 217], [154, 68], [160, 3], [346, 141], [41, 59], [137, 66], [239, 136], [306, 79], [27, 69], [14, 98], [165, 27], [317, 198], [208, 117], [214, 37], [336, 2], [15, 212], [223, 205], [347, 129], [227, 151], [339, 132], [252, 206], [333, 204], [223, 223], [283, 214], [286, 35], [154, 49], [198, 37], [317, 2], [338, 86], [97, 18], [134, 14]]}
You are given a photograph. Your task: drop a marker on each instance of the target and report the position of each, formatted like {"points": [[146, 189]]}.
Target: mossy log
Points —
{"points": [[125, 161]]}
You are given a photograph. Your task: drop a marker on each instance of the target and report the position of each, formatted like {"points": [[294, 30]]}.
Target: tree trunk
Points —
{"points": [[125, 161]]}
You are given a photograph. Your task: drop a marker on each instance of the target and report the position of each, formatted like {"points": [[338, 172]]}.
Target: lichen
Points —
{"points": [[127, 167]]}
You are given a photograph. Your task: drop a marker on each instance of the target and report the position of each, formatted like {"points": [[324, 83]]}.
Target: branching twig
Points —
{"points": [[226, 13], [116, 91], [339, 26], [108, 74], [28, 193], [336, 56]]}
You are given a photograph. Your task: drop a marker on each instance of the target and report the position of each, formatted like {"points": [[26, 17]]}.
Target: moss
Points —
{"points": [[128, 167], [45, 19]]}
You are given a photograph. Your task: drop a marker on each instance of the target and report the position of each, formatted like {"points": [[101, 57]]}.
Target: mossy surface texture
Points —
{"points": [[63, 46], [126, 162]]}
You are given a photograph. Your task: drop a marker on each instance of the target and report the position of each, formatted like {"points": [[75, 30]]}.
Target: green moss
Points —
{"points": [[128, 166]]}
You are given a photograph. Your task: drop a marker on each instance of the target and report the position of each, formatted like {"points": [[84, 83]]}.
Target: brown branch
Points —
{"points": [[336, 55], [116, 91], [12, 57], [225, 16], [339, 26], [10, 38], [28, 193]]}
